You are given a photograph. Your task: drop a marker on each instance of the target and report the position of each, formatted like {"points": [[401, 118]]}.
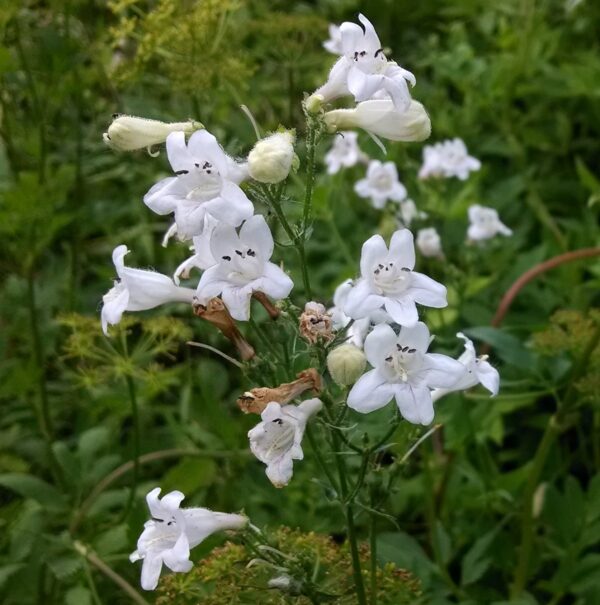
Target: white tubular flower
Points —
{"points": [[277, 440], [171, 533], [408, 213], [381, 118], [206, 183], [270, 160], [429, 242], [129, 133], [388, 281], [403, 370], [477, 371], [344, 152], [363, 69], [381, 184], [448, 159], [138, 290], [485, 223], [243, 267], [202, 258], [334, 44]]}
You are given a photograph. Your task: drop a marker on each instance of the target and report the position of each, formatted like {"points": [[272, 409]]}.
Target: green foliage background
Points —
{"points": [[519, 81]]}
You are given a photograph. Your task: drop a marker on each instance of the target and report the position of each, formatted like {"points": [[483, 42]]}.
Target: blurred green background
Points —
{"points": [[519, 81]]}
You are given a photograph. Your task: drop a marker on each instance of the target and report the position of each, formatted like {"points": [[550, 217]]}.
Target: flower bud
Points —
{"points": [[271, 158], [128, 133], [429, 242], [380, 117], [314, 103], [346, 364]]}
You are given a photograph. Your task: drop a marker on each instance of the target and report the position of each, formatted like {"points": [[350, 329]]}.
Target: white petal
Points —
{"points": [[211, 284], [415, 404], [204, 145], [275, 282], [379, 343], [403, 311], [488, 376], [151, 571], [178, 558], [373, 252], [177, 152], [402, 248], [162, 197], [441, 371], [224, 242], [427, 291], [415, 337], [361, 302], [370, 393], [255, 234], [237, 300], [237, 207]]}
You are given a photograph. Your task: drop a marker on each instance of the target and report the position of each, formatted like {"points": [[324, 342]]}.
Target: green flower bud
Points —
{"points": [[346, 364], [270, 161]]}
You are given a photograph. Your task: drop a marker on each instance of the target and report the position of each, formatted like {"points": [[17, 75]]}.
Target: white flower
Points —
{"points": [[334, 44], [243, 267], [388, 281], [381, 184], [206, 183], [271, 158], [403, 370], [360, 327], [202, 257], [448, 159], [344, 152], [363, 69], [381, 118], [477, 371], [408, 213], [277, 440], [171, 533], [138, 290], [429, 242], [485, 223], [128, 133]]}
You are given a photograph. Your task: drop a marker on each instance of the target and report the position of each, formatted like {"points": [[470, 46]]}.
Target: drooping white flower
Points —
{"points": [[429, 242], [277, 439], [344, 152], [448, 159], [363, 69], [408, 213], [171, 533], [202, 257], [243, 267], [485, 223], [206, 182], [270, 160], [128, 133], [388, 281], [334, 44], [138, 290], [403, 370], [381, 184], [381, 118]]}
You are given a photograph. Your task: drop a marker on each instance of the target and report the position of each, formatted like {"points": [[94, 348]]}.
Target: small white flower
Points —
{"points": [[277, 440], [344, 152], [429, 242], [138, 290], [403, 370], [128, 133], [243, 267], [388, 281], [206, 182], [485, 223], [381, 118], [381, 184], [270, 161], [477, 371], [171, 533], [334, 44], [363, 69], [408, 213], [448, 159]]}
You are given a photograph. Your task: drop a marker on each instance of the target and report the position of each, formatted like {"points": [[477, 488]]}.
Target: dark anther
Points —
{"points": [[377, 271], [361, 25], [108, 136], [251, 252], [356, 56], [378, 51], [196, 164], [405, 269], [178, 172], [115, 115], [388, 358], [170, 523], [157, 520], [363, 53], [387, 268], [207, 165], [399, 347], [412, 350], [278, 421], [380, 266], [226, 257], [208, 172], [239, 253]]}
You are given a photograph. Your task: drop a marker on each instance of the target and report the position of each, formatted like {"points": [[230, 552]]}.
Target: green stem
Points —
{"points": [[319, 459], [373, 553], [136, 443]]}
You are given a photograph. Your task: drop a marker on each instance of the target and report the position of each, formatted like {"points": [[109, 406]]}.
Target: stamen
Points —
{"points": [[405, 269], [239, 253], [412, 350], [278, 421], [226, 257], [196, 164], [178, 172], [389, 359], [158, 520], [378, 51], [251, 252]]}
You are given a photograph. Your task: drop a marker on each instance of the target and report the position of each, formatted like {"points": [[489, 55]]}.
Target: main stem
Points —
{"points": [[136, 443]]}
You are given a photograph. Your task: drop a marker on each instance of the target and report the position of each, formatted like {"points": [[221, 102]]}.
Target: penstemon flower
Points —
{"points": [[381, 184], [277, 440], [388, 281], [408, 213], [448, 159], [485, 223], [334, 44], [344, 152], [243, 267], [403, 370], [363, 69], [429, 242], [138, 290], [206, 183], [171, 533]]}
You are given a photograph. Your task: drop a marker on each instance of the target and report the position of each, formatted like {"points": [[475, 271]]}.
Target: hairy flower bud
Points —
{"points": [[128, 133], [346, 364], [271, 159], [380, 117]]}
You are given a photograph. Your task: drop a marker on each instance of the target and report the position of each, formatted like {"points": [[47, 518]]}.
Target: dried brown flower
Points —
{"points": [[315, 323]]}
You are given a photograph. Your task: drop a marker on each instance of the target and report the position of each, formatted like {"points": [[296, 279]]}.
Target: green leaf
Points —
{"points": [[112, 541], [78, 595], [65, 566], [29, 486], [442, 542], [406, 553], [475, 562], [189, 475], [9, 570]]}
